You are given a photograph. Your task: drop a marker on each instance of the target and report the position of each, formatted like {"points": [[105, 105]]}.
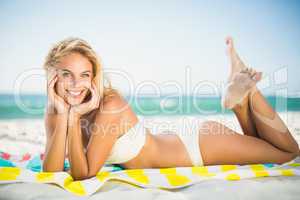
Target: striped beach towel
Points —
{"points": [[27, 168]]}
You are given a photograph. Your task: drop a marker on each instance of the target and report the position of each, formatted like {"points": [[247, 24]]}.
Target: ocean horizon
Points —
{"points": [[33, 105]]}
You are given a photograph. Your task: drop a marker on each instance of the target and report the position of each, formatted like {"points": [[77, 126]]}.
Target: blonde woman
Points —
{"points": [[94, 125]]}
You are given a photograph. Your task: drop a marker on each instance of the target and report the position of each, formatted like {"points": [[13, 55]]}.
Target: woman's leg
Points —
{"points": [[273, 131], [244, 116], [269, 125], [255, 115], [272, 142], [221, 145], [242, 110]]}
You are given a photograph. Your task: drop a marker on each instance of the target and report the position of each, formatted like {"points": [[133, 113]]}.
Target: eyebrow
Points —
{"points": [[87, 71], [66, 70]]}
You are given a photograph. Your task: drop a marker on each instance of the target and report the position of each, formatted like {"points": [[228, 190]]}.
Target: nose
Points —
{"points": [[77, 83]]}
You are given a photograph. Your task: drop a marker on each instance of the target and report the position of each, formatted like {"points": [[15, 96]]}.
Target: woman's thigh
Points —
{"points": [[221, 145]]}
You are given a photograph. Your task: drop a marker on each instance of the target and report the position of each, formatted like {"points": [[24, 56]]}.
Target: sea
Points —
{"points": [[33, 105]]}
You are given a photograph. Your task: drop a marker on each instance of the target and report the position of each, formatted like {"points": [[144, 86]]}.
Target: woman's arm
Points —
{"points": [[56, 131], [77, 157], [108, 125]]}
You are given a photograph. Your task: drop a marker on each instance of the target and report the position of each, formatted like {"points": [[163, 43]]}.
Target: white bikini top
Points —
{"points": [[128, 145]]}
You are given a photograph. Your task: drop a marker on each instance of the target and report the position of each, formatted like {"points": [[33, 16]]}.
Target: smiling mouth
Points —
{"points": [[74, 94]]}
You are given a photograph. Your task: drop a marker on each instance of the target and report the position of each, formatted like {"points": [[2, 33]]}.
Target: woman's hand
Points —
{"points": [[54, 99], [86, 107]]}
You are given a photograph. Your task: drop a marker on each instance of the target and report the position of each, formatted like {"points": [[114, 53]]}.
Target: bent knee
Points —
{"points": [[288, 157]]}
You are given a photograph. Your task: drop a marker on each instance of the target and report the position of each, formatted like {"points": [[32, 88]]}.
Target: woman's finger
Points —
{"points": [[51, 90], [51, 73], [94, 100], [93, 92], [53, 79], [95, 89], [51, 94], [52, 82]]}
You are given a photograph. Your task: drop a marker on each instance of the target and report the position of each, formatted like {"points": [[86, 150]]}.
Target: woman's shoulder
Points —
{"points": [[113, 102], [115, 109]]}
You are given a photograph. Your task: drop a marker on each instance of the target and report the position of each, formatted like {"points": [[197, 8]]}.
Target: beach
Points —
{"points": [[172, 61], [19, 136]]}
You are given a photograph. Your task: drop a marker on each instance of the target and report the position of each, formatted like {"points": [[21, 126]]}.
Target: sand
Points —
{"points": [[20, 136]]}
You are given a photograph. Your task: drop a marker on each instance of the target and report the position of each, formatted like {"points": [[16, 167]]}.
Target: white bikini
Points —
{"points": [[130, 144], [190, 139]]}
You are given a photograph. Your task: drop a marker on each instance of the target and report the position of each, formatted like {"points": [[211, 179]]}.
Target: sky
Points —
{"points": [[150, 47]]}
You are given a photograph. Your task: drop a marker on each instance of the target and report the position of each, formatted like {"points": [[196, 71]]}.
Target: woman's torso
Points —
{"points": [[159, 150]]}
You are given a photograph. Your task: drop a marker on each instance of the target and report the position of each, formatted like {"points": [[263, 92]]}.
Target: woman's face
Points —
{"points": [[75, 74]]}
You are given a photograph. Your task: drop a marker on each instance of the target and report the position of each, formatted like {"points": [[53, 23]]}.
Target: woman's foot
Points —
{"points": [[236, 64], [241, 79], [239, 87]]}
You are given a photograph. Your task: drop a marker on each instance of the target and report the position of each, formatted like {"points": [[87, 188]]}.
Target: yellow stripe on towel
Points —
{"points": [[257, 167], [44, 176], [74, 186], [138, 175], [259, 170], [202, 171], [174, 178], [287, 172], [226, 168], [102, 176], [9, 173], [233, 177]]}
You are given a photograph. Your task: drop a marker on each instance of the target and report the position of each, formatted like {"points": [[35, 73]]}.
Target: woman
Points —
{"points": [[94, 125]]}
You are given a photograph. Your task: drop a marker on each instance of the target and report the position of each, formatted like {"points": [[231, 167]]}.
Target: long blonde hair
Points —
{"points": [[71, 45]]}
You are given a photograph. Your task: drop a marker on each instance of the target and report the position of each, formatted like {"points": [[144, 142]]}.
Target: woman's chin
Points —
{"points": [[74, 102]]}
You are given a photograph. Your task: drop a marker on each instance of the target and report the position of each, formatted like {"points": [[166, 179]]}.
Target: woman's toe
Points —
{"points": [[257, 76]]}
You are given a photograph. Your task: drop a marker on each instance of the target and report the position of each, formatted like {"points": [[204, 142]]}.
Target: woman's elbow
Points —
{"points": [[51, 168], [77, 176]]}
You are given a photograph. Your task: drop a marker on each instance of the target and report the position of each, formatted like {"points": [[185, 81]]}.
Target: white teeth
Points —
{"points": [[74, 93]]}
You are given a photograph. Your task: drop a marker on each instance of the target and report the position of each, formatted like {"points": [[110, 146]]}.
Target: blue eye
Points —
{"points": [[65, 74]]}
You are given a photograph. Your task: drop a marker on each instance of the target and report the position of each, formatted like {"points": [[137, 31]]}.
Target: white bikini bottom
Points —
{"points": [[129, 145], [190, 138]]}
